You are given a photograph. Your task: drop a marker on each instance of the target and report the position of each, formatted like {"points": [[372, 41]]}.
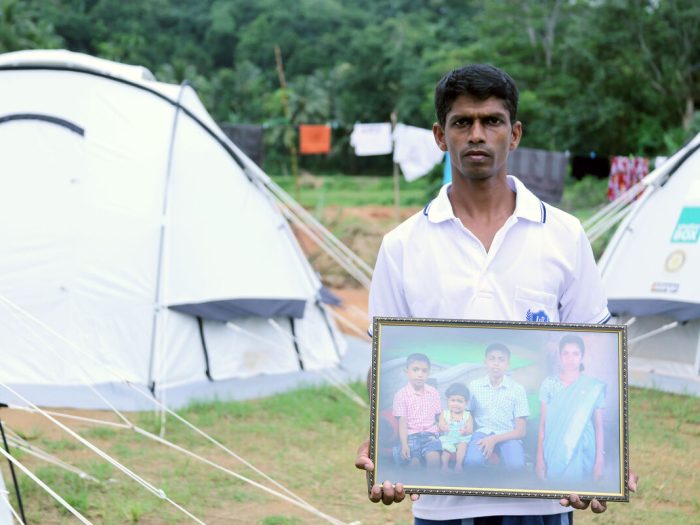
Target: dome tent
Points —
{"points": [[140, 247], [650, 273]]}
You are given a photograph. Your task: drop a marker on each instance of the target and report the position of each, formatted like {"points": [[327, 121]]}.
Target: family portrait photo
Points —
{"points": [[490, 408]]}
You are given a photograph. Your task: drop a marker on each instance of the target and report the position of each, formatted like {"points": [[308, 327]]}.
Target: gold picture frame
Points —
{"points": [[574, 379]]}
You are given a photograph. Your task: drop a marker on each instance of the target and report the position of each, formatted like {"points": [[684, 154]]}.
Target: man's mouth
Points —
{"points": [[477, 154]]}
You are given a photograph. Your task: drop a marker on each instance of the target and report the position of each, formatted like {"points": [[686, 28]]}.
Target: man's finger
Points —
{"points": [[575, 501], [375, 495], [399, 493], [364, 463], [632, 481], [387, 493], [598, 506], [362, 460]]}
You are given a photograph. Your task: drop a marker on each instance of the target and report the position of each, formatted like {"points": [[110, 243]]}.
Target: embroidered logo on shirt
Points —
{"points": [[536, 317]]}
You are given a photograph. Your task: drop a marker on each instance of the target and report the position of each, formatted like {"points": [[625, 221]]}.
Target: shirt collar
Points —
{"points": [[506, 383], [527, 205]]}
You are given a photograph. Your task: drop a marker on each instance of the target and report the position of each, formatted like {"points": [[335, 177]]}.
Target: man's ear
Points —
{"points": [[516, 134], [439, 135]]}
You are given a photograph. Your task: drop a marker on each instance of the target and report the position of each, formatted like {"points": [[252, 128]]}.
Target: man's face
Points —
{"points": [[417, 373], [497, 363], [478, 134]]}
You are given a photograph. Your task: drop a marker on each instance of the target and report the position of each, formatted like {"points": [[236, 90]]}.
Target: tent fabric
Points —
{"points": [[106, 235], [228, 310], [679, 311], [649, 270]]}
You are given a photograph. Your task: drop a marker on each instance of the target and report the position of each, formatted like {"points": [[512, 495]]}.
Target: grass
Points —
{"points": [[306, 440], [318, 191]]}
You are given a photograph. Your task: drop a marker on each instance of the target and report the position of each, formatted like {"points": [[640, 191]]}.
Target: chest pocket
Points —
{"points": [[535, 306]]}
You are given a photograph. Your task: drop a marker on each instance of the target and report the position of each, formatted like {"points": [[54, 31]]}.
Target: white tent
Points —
{"points": [[650, 272], [138, 245]]}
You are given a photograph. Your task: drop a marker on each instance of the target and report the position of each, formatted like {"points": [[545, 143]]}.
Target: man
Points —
{"points": [[484, 248], [500, 410]]}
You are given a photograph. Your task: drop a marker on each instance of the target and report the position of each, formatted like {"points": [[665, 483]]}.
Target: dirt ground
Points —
{"points": [[361, 229]]}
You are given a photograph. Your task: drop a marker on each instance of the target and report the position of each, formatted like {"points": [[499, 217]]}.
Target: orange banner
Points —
{"points": [[314, 139]]}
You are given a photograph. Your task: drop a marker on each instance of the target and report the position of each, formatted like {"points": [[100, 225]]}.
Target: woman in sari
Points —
{"points": [[570, 441]]}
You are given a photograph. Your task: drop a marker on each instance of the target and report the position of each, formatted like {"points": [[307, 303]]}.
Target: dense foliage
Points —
{"points": [[611, 76]]}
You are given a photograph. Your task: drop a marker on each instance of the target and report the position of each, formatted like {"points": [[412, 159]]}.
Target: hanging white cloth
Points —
{"points": [[371, 139], [415, 151]]}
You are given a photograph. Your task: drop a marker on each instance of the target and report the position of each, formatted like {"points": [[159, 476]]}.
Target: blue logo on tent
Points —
{"points": [[688, 226], [536, 317]]}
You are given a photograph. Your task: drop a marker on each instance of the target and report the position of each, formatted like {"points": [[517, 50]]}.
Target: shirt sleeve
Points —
{"points": [[386, 293], [583, 299], [399, 405]]}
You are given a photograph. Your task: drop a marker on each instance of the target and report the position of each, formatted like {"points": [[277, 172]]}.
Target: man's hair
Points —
{"points": [[457, 389], [422, 358], [497, 347], [480, 81]]}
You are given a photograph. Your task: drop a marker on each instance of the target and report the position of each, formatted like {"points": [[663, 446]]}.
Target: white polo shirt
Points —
{"points": [[540, 268]]}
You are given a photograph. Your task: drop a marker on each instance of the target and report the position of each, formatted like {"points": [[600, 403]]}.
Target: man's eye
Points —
{"points": [[493, 121]]}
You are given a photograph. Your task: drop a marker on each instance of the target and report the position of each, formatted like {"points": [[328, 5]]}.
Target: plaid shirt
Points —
{"points": [[419, 408], [496, 409]]}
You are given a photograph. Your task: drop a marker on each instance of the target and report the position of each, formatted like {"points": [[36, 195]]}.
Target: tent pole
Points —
{"points": [[622, 229], [697, 355], [395, 173], [157, 312]]}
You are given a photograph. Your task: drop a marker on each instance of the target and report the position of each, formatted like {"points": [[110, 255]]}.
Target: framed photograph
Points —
{"points": [[500, 408]]}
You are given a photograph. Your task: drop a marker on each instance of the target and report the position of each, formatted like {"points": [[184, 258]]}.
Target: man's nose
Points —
{"points": [[476, 132]]}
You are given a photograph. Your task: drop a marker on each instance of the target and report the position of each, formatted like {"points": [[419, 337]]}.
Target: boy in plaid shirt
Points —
{"points": [[417, 406]]}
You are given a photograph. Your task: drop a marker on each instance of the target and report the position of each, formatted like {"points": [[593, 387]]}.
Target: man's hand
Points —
{"points": [[487, 445], [387, 493], [632, 480], [362, 460], [405, 452], [576, 502], [597, 506]]}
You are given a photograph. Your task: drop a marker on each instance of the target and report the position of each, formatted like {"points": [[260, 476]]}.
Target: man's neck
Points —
{"points": [[417, 389], [483, 206], [495, 383]]}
